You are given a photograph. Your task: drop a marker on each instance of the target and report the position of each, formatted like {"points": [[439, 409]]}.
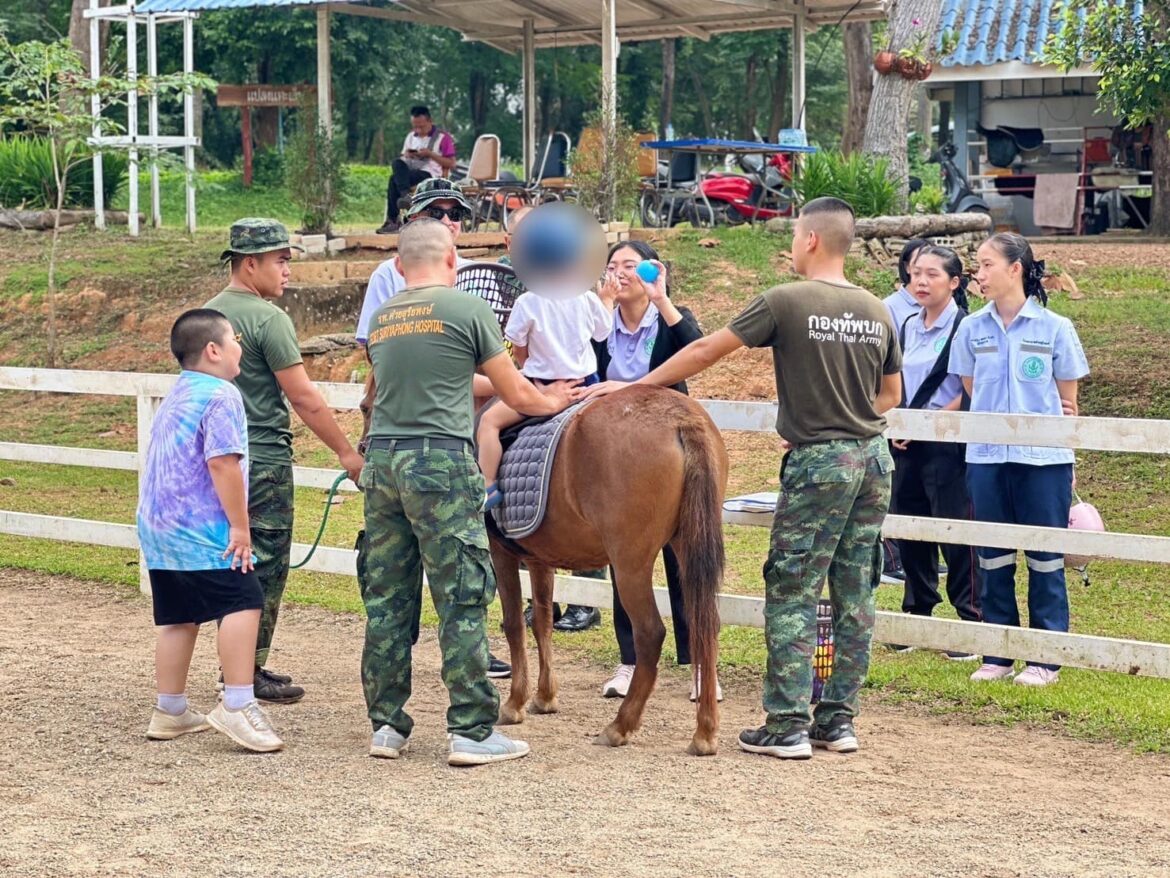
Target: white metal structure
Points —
{"points": [[1078, 650]]}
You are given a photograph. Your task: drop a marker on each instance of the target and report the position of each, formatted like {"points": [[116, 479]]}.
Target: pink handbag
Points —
{"points": [[1083, 516]]}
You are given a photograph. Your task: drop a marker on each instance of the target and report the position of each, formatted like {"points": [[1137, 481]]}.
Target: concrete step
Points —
{"points": [[390, 242], [325, 272]]}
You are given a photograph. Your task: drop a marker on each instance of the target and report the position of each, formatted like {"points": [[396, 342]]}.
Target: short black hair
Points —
{"points": [[420, 110], [832, 218], [193, 330]]}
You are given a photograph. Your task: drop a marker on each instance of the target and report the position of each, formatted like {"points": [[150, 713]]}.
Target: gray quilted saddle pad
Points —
{"points": [[525, 472]]}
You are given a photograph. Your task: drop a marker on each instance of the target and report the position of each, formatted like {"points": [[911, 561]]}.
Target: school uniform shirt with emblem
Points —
{"points": [[901, 304], [921, 351], [831, 344], [1015, 370], [269, 344], [181, 522], [424, 345]]}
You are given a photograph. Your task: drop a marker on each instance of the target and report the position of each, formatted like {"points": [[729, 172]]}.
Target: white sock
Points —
{"points": [[238, 697], [175, 705]]}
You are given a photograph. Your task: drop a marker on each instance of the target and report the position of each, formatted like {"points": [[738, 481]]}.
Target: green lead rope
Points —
{"points": [[324, 520]]}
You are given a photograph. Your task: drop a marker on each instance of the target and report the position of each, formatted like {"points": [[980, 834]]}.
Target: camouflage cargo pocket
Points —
{"points": [[785, 566], [475, 584], [270, 497]]}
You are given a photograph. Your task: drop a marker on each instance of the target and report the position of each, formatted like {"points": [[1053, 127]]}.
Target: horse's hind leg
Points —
{"points": [[636, 590], [508, 585], [541, 577]]}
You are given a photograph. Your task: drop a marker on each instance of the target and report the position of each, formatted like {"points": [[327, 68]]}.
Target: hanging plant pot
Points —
{"points": [[909, 68], [924, 70], [884, 62]]}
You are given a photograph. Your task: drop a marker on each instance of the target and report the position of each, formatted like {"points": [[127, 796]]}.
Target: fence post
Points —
{"points": [[147, 409]]}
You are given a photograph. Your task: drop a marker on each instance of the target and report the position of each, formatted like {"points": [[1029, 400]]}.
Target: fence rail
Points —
{"points": [[1105, 434]]}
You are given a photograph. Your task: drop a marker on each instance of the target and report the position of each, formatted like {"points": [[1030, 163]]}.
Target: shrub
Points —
{"points": [[928, 199], [605, 174], [315, 172], [860, 179], [26, 175], [268, 168]]}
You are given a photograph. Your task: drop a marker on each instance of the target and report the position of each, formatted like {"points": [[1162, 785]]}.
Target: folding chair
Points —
{"points": [[673, 189], [548, 180], [482, 169]]}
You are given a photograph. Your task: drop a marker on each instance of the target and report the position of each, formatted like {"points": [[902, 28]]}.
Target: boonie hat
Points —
{"points": [[254, 235], [436, 189]]}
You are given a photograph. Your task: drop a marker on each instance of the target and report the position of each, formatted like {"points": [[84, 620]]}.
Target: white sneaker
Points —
{"points": [[989, 671], [248, 727], [1034, 675], [166, 726], [618, 686], [496, 747], [387, 743], [697, 682]]}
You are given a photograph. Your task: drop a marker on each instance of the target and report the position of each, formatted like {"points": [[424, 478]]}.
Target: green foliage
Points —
{"points": [[929, 199], [862, 180], [268, 168], [605, 171], [1132, 54], [27, 176], [315, 173]]}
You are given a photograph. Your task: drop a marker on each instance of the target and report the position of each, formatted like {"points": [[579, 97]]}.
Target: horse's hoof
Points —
{"points": [[542, 707], [611, 737], [702, 747], [510, 716]]}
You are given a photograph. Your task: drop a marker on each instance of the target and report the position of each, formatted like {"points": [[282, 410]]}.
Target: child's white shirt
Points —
{"points": [[557, 334]]}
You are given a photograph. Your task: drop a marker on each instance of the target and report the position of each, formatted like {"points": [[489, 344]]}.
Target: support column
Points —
{"points": [[189, 117], [609, 50], [798, 22], [152, 72], [95, 109], [148, 407], [529, 95], [132, 118], [324, 71]]}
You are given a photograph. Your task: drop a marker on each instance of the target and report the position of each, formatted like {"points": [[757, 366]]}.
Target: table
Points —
{"points": [[713, 146]]}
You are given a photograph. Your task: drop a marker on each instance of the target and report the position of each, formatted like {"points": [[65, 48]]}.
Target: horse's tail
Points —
{"points": [[700, 536]]}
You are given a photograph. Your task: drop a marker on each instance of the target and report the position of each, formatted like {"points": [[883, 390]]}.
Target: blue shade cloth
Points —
{"points": [[204, 5], [999, 31], [715, 146], [1015, 371], [181, 522]]}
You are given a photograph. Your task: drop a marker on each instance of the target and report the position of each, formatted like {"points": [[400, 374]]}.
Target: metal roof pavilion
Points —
{"points": [[508, 25]]}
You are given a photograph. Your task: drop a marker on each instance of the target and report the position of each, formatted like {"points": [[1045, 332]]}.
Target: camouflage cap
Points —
{"points": [[254, 235], [436, 189]]}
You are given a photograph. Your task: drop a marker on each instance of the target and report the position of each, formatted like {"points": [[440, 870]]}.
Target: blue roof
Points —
{"points": [[998, 31], [204, 5]]}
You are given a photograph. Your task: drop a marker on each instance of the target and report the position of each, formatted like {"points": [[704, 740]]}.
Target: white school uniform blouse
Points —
{"points": [[1015, 370]]}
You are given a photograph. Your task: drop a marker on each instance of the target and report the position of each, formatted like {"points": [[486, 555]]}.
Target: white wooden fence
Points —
{"points": [[1078, 650]]}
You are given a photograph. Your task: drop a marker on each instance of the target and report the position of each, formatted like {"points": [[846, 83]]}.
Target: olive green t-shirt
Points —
{"points": [[424, 344], [270, 344], [831, 344]]}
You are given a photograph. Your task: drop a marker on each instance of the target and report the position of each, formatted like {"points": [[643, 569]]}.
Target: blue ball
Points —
{"points": [[647, 270]]}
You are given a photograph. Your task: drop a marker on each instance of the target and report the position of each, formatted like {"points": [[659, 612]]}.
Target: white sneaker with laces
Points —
{"points": [[618, 686], [697, 682], [387, 743], [988, 671], [1034, 675], [166, 726], [249, 727]]}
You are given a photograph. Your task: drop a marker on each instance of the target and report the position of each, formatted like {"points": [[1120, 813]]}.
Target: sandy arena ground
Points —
{"points": [[83, 793]]}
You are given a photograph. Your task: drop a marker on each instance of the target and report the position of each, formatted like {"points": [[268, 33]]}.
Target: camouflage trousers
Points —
{"points": [[422, 512], [270, 514], [833, 499]]}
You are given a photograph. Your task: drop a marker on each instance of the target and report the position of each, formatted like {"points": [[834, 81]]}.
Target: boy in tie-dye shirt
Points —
{"points": [[193, 529]]}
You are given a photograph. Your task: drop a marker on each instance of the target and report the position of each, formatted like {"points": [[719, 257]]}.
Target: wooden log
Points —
{"points": [[914, 226], [42, 220]]}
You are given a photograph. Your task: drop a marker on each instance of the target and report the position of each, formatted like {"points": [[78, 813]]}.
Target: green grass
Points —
{"points": [[1122, 321]]}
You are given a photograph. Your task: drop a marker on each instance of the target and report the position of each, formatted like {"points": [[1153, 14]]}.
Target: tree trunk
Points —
{"points": [[748, 124], [704, 104], [666, 105], [889, 110], [859, 73], [477, 97], [781, 86], [79, 31], [1160, 165]]}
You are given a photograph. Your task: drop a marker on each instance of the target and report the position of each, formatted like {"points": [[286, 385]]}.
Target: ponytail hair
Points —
{"points": [[953, 266], [1015, 248]]}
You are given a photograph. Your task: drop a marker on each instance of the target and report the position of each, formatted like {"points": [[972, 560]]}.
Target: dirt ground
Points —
{"points": [[83, 793]]}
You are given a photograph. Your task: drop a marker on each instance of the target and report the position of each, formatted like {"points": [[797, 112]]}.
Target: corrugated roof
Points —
{"points": [[999, 31], [204, 5]]}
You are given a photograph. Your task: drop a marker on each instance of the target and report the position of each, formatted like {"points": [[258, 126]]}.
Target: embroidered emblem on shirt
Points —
{"points": [[1032, 367]]}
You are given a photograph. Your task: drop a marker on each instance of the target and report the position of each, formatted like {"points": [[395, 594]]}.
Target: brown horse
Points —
{"points": [[634, 471]]}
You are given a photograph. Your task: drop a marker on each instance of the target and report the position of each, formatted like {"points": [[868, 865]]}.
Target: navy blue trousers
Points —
{"points": [[1018, 493]]}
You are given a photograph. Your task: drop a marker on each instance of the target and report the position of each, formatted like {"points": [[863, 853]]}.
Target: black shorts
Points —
{"points": [[184, 597]]}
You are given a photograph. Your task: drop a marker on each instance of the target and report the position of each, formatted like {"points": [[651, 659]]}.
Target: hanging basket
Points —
{"points": [[912, 68], [883, 62]]}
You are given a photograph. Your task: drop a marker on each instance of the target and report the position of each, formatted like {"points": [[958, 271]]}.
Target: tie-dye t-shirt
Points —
{"points": [[181, 523]]}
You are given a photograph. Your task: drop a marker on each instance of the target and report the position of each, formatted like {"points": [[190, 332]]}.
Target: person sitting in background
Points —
{"points": [[930, 478], [428, 151], [647, 330]]}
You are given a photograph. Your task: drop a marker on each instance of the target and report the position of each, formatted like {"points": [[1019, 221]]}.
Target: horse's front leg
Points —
{"points": [[541, 577], [508, 586]]}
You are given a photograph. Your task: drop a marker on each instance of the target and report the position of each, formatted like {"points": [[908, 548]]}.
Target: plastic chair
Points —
{"points": [[483, 167]]}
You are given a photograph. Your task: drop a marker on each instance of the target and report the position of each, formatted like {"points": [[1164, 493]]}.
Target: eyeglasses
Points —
{"points": [[456, 214]]}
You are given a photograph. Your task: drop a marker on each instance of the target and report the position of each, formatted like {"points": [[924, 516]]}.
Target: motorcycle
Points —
{"points": [[761, 192], [959, 196]]}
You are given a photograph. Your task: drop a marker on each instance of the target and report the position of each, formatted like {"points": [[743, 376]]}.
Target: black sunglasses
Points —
{"points": [[456, 214]]}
